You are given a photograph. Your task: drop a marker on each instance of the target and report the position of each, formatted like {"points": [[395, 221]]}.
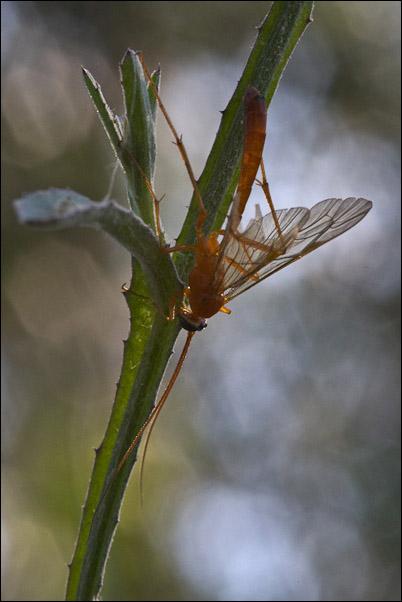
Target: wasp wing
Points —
{"points": [[260, 250], [243, 254]]}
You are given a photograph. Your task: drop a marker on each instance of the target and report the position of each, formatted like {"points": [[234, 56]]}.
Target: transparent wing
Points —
{"points": [[259, 251], [243, 254]]}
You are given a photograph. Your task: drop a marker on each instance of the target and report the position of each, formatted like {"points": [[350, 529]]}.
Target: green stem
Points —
{"points": [[151, 338]]}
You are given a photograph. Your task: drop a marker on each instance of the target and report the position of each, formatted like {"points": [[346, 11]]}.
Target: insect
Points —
{"points": [[230, 261]]}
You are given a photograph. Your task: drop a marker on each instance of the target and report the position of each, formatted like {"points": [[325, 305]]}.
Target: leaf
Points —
{"points": [[57, 208]]}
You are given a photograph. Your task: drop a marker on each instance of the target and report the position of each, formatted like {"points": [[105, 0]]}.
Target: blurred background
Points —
{"points": [[273, 472]]}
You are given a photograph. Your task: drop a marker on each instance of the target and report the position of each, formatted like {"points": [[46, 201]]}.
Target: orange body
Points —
{"points": [[255, 120], [206, 280], [202, 294]]}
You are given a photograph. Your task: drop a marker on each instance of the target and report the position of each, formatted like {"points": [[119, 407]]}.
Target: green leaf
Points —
{"points": [[135, 132], [139, 135], [110, 121]]}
